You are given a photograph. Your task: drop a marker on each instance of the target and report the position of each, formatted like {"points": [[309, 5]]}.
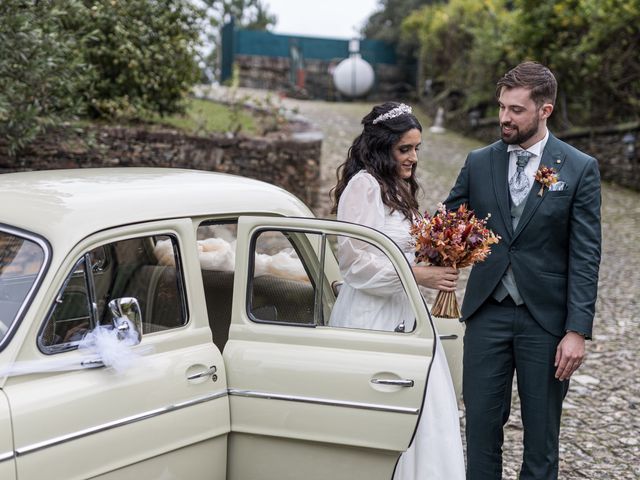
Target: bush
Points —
{"points": [[41, 70], [591, 46], [143, 53], [461, 47], [103, 58]]}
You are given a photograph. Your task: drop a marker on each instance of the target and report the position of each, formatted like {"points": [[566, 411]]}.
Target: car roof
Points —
{"points": [[78, 202]]}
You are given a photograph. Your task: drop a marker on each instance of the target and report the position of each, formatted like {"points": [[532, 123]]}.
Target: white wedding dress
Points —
{"points": [[372, 297]]}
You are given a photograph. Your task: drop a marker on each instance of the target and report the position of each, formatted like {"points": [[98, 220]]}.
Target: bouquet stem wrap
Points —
{"points": [[455, 238], [446, 305]]}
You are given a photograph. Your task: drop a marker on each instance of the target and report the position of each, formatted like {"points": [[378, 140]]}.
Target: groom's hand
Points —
{"points": [[569, 355]]}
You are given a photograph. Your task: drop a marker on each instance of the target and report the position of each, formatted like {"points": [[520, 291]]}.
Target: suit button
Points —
{"points": [[512, 249]]}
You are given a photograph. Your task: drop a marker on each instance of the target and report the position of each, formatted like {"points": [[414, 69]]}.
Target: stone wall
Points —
{"points": [[291, 161], [619, 160]]}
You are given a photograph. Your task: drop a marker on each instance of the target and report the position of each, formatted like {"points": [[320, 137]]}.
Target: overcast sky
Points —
{"points": [[321, 18]]}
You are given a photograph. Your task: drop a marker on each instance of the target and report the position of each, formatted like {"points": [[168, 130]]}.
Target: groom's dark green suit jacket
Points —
{"points": [[555, 249]]}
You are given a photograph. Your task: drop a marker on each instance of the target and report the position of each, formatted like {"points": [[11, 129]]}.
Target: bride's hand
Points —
{"points": [[438, 278]]}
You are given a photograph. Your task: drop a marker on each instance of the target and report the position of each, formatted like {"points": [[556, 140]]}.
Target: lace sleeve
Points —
{"points": [[364, 266]]}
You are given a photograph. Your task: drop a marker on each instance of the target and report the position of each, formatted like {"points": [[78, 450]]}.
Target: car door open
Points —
{"points": [[309, 399]]}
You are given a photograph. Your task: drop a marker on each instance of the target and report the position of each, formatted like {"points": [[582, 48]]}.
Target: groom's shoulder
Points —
{"points": [[572, 152], [484, 152]]}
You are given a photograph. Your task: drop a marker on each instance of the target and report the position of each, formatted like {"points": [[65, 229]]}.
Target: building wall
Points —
{"points": [[274, 73], [303, 66], [267, 44]]}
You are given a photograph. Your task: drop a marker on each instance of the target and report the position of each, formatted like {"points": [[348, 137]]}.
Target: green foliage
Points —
{"points": [[385, 24], [202, 117], [591, 45], [250, 14], [239, 113], [42, 75], [106, 58], [143, 53], [462, 45]]}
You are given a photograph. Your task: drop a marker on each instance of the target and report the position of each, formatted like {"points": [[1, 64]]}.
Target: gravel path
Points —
{"points": [[600, 436]]}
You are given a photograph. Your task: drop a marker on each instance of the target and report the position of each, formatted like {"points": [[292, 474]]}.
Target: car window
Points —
{"points": [[282, 288], [313, 279], [145, 268], [21, 261]]}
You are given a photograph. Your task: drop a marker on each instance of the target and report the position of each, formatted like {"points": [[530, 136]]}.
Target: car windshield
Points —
{"points": [[21, 261]]}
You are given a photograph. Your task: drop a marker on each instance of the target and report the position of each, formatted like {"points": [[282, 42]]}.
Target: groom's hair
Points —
{"points": [[533, 76]]}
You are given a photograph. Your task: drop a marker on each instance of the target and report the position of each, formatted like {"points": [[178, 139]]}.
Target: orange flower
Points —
{"points": [[455, 238], [546, 176]]}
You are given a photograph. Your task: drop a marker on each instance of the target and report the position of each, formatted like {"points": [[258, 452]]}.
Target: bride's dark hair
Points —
{"points": [[372, 151]]}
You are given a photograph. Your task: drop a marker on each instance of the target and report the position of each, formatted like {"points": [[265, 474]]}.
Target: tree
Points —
{"points": [[42, 74], [143, 53], [592, 47], [248, 14], [386, 25], [105, 58], [462, 47]]}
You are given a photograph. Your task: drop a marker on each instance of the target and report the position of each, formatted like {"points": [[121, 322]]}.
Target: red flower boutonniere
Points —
{"points": [[546, 176]]}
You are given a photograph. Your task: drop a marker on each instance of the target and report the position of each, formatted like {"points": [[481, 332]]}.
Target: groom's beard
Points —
{"points": [[520, 136]]}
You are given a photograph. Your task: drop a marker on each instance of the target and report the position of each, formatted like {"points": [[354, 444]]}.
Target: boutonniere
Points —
{"points": [[546, 176]]}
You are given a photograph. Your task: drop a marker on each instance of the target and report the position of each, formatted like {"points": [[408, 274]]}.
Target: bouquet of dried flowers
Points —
{"points": [[455, 238]]}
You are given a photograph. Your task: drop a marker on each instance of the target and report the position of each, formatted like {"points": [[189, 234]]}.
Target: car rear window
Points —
{"points": [[21, 262]]}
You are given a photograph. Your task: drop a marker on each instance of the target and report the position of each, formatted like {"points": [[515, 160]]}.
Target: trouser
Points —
{"points": [[501, 338]]}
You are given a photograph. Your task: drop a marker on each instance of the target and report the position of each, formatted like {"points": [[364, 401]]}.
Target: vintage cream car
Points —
{"points": [[214, 294]]}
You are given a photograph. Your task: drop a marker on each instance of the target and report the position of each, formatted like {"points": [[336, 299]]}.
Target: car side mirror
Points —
{"points": [[127, 318]]}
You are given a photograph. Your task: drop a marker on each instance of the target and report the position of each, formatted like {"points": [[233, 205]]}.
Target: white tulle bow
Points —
{"points": [[102, 346]]}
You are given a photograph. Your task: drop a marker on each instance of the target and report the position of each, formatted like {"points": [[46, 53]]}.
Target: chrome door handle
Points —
{"points": [[210, 372], [390, 381], [453, 336]]}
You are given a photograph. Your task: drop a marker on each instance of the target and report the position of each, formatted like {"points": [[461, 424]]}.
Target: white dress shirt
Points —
{"points": [[534, 162]]}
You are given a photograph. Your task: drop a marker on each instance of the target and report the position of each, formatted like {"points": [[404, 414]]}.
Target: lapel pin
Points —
{"points": [[558, 161]]}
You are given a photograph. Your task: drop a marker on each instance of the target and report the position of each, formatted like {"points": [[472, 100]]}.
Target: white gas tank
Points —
{"points": [[353, 77]]}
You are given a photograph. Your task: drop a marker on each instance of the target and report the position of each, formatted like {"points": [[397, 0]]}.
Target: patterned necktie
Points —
{"points": [[519, 184]]}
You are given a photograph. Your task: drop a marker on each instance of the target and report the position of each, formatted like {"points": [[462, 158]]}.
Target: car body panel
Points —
{"points": [[56, 204], [7, 456], [451, 333], [289, 402], [103, 410], [312, 386]]}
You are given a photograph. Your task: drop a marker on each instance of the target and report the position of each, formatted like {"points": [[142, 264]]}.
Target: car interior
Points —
{"points": [[133, 268]]}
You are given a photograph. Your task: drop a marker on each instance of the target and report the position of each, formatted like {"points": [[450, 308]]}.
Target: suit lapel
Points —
{"points": [[552, 157], [499, 172]]}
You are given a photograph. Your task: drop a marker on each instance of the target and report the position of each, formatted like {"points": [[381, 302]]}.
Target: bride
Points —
{"points": [[377, 187]]}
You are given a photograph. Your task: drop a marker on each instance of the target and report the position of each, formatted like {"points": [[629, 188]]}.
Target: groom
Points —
{"points": [[529, 307]]}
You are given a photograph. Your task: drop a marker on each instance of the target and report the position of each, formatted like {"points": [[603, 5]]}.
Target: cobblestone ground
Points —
{"points": [[600, 436]]}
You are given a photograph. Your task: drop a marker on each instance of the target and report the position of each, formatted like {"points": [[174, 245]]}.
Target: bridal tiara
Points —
{"points": [[393, 113]]}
